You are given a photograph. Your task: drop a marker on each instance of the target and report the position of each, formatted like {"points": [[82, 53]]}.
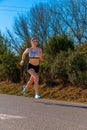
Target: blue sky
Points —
{"points": [[10, 9]]}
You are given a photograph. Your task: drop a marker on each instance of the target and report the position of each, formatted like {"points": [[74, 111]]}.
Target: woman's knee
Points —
{"points": [[34, 75]]}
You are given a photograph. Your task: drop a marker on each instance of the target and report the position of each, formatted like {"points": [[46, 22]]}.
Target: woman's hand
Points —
{"points": [[22, 62]]}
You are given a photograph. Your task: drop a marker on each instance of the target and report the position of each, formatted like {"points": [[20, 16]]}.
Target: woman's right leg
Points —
{"points": [[28, 85], [30, 82]]}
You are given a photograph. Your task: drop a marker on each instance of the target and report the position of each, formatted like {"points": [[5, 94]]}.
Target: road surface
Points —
{"points": [[23, 113]]}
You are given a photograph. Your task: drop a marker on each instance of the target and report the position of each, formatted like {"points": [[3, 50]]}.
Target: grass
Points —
{"points": [[69, 93]]}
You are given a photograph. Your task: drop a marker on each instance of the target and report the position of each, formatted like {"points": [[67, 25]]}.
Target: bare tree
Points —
{"points": [[56, 23], [70, 17], [67, 17], [39, 18], [21, 29], [13, 43], [21, 37], [75, 17]]}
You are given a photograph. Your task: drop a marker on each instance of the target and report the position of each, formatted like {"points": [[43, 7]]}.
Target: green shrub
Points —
{"points": [[45, 73], [9, 68], [56, 52], [77, 67], [71, 66], [57, 44], [58, 68]]}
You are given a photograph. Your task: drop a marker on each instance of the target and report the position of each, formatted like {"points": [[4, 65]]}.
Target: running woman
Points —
{"points": [[35, 56]]}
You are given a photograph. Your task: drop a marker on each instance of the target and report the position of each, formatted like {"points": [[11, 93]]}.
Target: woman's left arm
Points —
{"points": [[41, 55]]}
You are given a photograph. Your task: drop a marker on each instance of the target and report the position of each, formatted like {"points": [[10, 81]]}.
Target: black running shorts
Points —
{"points": [[35, 67]]}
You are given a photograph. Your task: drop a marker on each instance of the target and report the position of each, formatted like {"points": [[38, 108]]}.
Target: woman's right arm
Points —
{"points": [[25, 53]]}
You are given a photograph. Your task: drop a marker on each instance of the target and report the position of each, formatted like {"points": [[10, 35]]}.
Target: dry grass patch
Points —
{"points": [[59, 92]]}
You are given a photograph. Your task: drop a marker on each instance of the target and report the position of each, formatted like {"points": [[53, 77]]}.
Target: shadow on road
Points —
{"points": [[62, 104]]}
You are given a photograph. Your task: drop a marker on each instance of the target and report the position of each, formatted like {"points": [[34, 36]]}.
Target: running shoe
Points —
{"points": [[37, 96], [24, 90]]}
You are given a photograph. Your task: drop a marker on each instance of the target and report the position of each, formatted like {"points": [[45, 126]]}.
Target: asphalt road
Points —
{"points": [[22, 113]]}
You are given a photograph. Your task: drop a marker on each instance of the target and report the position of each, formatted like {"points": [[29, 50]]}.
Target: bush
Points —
{"points": [[45, 73], [57, 44], [71, 66], [56, 53], [9, 68], [77, 67], [58, 68]]}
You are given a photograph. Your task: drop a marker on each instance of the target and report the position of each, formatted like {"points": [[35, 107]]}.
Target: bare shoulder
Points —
{"points": [[27, 50]]}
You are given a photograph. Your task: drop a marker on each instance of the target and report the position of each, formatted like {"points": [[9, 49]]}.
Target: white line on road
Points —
{"points": [[4, 117]]}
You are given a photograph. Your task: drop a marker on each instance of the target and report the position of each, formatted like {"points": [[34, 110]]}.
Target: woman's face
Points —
{"points": [[34, 43]]}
